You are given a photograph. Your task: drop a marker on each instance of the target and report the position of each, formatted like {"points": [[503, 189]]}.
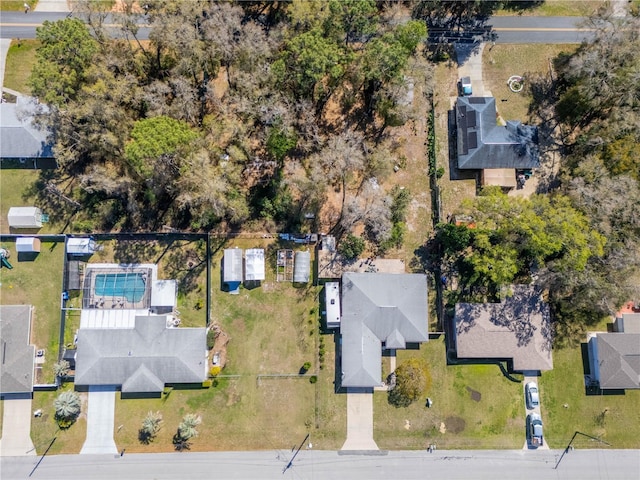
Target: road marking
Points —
{"points": [[542, 29]]}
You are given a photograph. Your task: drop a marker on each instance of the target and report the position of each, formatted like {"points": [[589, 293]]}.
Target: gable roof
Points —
{"points": [[143, 358], [518, 328], [483, 144], [17, 356], [619, 360], [19, 136], [377, 308]]}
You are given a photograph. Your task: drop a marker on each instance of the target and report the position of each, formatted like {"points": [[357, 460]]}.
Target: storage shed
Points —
{"points": [[27, 245], [254, 264], [302, 267], [25, 217], [232, 270], [81, 246]]}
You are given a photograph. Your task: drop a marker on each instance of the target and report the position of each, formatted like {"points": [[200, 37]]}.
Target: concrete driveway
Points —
{"points": [[470, 65], [533, 377], [360, 422], [100, 414], [16, 428]]}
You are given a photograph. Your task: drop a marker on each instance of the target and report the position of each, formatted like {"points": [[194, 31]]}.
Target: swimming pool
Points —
{"points": [[130, 286]]}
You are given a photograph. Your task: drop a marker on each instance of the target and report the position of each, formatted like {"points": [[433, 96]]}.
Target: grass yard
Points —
{"points": [[610, 417], [474, 406], [273, 329], [20, 60], [17, 5], [45, 428], [37, 282], [502, 61], [558, 8]]}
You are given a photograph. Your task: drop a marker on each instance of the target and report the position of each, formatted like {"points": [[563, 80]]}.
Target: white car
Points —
{"points": [[531, 392]]}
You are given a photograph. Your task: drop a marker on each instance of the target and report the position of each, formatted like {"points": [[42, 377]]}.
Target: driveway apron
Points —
{"points": [[16, 427], [360, 422], [100, 417]]}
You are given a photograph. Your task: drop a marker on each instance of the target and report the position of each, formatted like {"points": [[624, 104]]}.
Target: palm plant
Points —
{"points": [[61, 369], [150, 427], [187, 429], [67, 407]]}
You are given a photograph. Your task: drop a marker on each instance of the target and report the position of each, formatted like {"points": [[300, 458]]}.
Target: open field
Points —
{"points": [[610, 417], [474, 406], [557, 8], [37, 282], [502, 61]]}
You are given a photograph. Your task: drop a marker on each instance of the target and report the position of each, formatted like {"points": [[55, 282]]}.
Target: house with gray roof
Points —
{"points": [[18, 355], [20, 137], [142, 359], [482, 144], [518, 330], [379, 311], [614, 358]]}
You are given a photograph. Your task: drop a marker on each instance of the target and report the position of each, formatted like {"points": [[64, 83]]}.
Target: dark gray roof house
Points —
{"points": [[16, 369], [518, 330], [141, 359], [482, 144], [379, 311], [614, 360], [20, 137]]}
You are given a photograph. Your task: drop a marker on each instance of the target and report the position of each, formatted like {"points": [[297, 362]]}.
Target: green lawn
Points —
{"points": [[45, 428], [502, 61], [37, 282], [558, 8], [614, 418], [474, 406], [20, 60], [17, 5], [273, 329]]}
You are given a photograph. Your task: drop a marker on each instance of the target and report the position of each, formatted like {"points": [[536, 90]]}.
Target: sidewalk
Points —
{"points": [[4, 49]]}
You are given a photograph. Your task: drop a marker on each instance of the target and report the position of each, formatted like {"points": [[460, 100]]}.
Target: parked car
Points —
{"points": [[534, 429], [531, 392]]}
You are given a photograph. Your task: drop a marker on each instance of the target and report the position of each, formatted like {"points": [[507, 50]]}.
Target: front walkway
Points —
{"points": [[100, 417], [16, 428], [360, 422]]}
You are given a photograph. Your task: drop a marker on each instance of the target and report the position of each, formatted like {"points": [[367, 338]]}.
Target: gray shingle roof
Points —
{"points": [[19, 136], [141, 359], [619, 360], [377, 308], [518, 328], [483, 144], [16, 368]]}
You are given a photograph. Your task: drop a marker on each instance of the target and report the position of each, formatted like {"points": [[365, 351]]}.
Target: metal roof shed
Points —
{"points": [[81, 246], [232, 269], [27, 245], [302, 267], [25, 217], [254, 264]]}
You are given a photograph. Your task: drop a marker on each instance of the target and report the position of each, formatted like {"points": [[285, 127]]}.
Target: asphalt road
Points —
{"points": [[452, 465], [508, 29]]}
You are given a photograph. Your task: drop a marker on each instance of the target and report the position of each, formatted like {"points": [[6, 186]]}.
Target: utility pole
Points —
{"points": [[294, 455], [569, 447]]}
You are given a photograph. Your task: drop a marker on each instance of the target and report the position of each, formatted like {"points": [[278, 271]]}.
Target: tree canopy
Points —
{"points": [[412, 381]]}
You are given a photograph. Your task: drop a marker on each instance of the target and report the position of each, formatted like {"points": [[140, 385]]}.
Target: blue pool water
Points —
{"points": [[130, 286]]}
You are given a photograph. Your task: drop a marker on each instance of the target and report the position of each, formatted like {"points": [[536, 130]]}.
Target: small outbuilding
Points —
{"points": [[27, 245], [25, 217], [81, 246], [232, 270], [302, 267], [254, 264]]}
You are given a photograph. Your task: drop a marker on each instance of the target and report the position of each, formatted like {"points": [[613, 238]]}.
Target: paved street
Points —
{"points": [[265, 465]]}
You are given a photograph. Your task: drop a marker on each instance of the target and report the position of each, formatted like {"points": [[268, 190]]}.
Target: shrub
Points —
{"points": [[67, 408], [412, 380], [351, 247], [211, 339], [313, 379], [215, 371]]}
